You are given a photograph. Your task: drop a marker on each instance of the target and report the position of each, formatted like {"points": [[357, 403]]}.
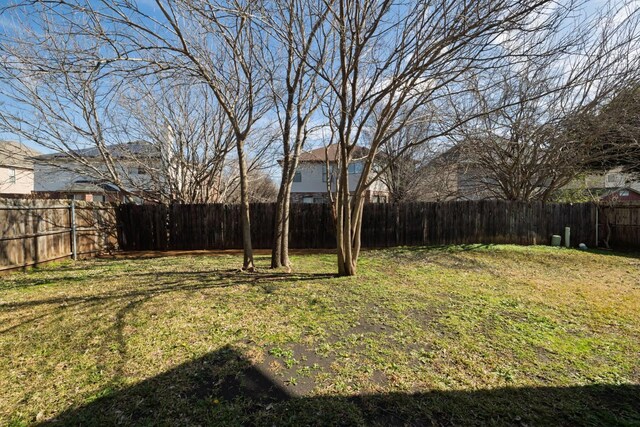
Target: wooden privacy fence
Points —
{"points": [[619, 225], [36, 231], [217, 226]]}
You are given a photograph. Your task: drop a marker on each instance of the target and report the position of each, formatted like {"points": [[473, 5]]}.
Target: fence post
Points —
{"points": [[74, 248], [597, 225]]}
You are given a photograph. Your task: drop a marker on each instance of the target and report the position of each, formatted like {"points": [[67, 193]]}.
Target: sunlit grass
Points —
{"points": [[413, 320]]}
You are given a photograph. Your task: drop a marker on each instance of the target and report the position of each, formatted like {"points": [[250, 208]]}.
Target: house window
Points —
{"points": [[98, 198], [318, 200], [331, 172], [297, 177], [379, 199], [12, 176], [307, 199], [355, 167], [624, 193], [324, 174]]}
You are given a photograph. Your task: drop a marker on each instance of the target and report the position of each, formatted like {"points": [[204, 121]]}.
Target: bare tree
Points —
{"points": [[234, 75], [63, 103], [262, 189], [407, 171], [296, 93], [159, 141], [215, 42], [392, 58], [613, 131], [518, 149], [190, 132], [525, 143]]}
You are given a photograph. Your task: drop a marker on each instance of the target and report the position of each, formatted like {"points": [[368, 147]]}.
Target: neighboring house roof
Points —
{"points": [[89, 186], [600, 180], [457, 154], [117, 151], [609, 194], [329, 152], [16, 155]]}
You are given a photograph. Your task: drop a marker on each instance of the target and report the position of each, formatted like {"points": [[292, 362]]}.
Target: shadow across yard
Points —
{"points": [[173, 281], [126, 300], [448, 336], [223, 388]]}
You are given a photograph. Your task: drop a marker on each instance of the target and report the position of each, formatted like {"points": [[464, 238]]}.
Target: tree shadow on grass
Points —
{"points": [[24, 282], [453, 256], [223, 388], [155, 284], [174, 281], [445, 256]]}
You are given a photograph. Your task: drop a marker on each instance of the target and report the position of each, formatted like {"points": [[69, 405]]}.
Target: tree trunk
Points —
{"points": [[344, 233], [278, 229], [248, 263], [284, 258], [357, 221], [280, 251], [340, 241], [280, 248]]}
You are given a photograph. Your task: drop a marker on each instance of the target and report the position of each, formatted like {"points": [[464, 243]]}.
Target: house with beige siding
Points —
{"points": [[313, 179], [16, 168]]}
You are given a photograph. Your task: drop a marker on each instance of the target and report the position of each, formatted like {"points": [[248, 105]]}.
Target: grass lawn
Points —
{"points": [[480, 335]]}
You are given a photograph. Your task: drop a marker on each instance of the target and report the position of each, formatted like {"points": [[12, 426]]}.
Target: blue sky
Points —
{"points": [[10, 23]]}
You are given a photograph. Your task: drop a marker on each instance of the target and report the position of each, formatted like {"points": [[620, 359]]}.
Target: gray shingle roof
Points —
{"points": [[331, 151], [124, 150]]}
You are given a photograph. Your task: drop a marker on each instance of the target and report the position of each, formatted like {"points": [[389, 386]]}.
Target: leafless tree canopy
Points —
{"points": [[526, 141], [396, 64], [407, 172], [612, 133], [208, 84]]}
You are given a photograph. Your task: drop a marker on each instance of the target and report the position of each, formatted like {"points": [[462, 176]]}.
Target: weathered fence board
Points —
{"points": [[619, 225], [34, 231], [217, 226]]}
